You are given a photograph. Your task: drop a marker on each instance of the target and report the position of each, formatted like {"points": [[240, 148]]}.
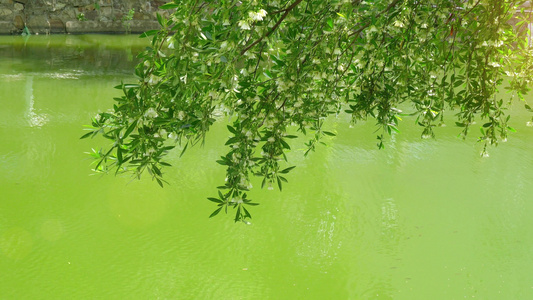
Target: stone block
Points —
{"points": [[136, 26], [140, 26], [57, 26], [91, 15], [21, 1], [18, 7], [7, 27], [38, 24], [58, 6], [104, 3], [82, 3], [106, 11], [5, 12], [18, 22]]}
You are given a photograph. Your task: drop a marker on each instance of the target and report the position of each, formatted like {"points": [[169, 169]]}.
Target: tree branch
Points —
{"points": [[287, 11], [358, 31]]}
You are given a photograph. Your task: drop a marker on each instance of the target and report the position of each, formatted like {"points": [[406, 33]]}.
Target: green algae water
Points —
{"points": [[422, 219]]}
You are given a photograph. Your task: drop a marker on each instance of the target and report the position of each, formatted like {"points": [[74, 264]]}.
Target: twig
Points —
{"points": [[287, 11]]}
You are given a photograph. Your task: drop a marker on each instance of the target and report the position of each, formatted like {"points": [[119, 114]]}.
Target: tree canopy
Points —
{"points": [[277, 64]]}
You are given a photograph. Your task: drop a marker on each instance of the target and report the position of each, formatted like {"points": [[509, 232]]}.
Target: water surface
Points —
{"points": [[422, 219]]}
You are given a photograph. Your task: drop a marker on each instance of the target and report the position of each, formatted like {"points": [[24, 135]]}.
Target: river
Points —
{"points": [[421, 219]]}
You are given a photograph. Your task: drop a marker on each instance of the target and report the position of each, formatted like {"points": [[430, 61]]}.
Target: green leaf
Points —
{"points": [[285, 145], [88, 134], [130, 129], [287, 170], [169, 5], [330, 23], [232, 130], [148, 33], [156, 170], [160, 20], [119, 155], [216, 200], [238, 214], [184, 149], [215, 212], [159, 182], [246, 213]]}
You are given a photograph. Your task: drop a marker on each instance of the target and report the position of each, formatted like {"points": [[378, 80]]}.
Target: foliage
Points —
{"points": [[126, 20], [81, 17], [273, 65]]}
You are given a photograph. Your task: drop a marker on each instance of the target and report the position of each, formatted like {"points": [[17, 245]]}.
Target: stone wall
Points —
{"points": [[78, 16]]}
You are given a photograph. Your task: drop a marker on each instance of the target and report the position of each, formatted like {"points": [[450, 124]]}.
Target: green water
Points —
{"points": [[422, 219]]}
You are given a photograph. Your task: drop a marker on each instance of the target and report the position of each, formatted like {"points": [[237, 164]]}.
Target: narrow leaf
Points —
{"points": [[216, 212]]}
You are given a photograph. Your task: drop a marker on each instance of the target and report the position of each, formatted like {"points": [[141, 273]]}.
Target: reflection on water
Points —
{"points": [[419, 220], [61, 56], [34, 119], [16, 243]]}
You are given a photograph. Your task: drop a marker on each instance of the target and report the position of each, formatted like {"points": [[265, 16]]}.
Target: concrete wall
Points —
{"points": [[78, 16]]}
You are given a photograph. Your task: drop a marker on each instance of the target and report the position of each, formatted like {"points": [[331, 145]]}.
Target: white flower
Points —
{"points": [[150, 113], [262, 13], [529, 124], [257, 16], [398, 23], [271, 140], [153, 80], [224, 45], [337, 51], [243, 24], [424, 25], [173, 136], [236, 200], [254, 16], [170, 42], [181, 115]]}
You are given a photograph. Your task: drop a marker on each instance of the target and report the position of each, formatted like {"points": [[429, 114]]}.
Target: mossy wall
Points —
{"points": [[78, 16]]}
